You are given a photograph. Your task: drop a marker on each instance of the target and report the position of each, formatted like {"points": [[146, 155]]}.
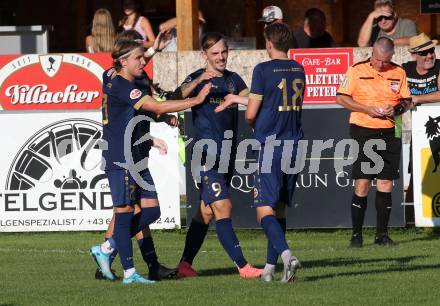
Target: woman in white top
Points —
{"points": [[102, 37], [132, 19]]}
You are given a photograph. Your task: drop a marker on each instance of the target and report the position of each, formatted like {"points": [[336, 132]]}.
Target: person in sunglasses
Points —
{"points": [[384, 22], [423, 72], [424, 83]]}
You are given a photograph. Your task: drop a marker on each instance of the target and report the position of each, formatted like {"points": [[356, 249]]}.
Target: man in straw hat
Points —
{"points": [[423, 82], [423, 72]]}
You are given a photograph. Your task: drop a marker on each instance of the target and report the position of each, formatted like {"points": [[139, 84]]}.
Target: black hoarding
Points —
{"points": [[322, 199]]}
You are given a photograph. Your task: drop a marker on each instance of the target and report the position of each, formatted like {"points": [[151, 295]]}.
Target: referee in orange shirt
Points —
{"points": [[370, 90]]}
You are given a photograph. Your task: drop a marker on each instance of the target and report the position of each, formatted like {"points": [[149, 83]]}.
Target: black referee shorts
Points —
{"points": [[390, 156]]}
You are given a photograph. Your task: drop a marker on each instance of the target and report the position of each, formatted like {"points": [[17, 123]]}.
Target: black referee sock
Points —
{"points": [[358, 207], [383, 211], [194, 239]]}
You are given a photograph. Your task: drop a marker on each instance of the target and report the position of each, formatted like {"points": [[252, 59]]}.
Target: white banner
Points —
{"points": [[50, 177], [426, 167]]}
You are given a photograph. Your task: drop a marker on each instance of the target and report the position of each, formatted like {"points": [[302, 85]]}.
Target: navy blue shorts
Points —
{"points": [[124, 189], [214, 186], [274, 185]]}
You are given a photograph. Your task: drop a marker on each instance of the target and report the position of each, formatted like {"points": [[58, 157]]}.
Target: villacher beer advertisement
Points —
{"points": [[51, 156]]}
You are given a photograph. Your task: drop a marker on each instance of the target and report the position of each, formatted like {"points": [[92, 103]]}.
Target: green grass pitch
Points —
{"points": [[56, 269]]}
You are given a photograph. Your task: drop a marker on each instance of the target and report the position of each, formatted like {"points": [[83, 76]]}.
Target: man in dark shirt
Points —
{"points": [[313, 33]]}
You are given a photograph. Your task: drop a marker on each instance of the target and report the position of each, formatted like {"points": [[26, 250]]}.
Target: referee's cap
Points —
{"points": [[421, 42], [271, 13]]}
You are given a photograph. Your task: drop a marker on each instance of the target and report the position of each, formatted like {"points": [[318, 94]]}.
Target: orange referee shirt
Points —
{"points": [[367, 86]]}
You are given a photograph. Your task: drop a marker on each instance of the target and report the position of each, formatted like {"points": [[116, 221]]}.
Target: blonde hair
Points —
{"points": [[103, 31]]}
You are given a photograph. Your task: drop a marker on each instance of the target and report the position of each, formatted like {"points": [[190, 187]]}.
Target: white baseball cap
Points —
{"points": [[270, 13]]}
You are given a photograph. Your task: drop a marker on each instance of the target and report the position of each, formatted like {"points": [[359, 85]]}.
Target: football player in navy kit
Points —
{"points": [[122, 102], [157, 271], [216, 127], [274, 111]]}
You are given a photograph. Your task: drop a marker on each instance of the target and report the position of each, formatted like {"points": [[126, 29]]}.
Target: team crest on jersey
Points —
{"points": [[255, 193], [230, 86], [135, 93], [395, 86]]}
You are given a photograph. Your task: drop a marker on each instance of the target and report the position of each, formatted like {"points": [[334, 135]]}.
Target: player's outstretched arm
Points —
{"points": [[188, 88], [171, 106], [231, 99], [252, 111]]}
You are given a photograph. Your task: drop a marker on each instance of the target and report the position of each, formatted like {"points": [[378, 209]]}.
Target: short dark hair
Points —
{"points": [[279, 35], [314, 13], [210, 39]]}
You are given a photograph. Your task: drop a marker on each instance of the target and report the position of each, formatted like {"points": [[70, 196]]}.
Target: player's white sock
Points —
{"points": [[269, 269], [106, 248], [129, 272], [285, 256]]}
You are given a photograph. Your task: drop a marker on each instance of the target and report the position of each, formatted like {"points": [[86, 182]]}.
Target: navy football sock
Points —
{"points": [[148, 216], [141, 220], [229, 241], [122, 237], [194, 239], [274, 233], [272, 254], [146, 246]]}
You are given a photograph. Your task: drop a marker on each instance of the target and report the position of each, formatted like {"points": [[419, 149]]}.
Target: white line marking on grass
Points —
{"points": [[57, 251]]}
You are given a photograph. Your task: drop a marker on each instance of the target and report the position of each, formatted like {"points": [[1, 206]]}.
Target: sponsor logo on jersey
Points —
{"points": [[394, 86], [135, 93]]}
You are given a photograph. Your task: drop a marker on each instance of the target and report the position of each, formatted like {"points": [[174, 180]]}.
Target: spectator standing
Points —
{"points": [[313, 33], [273, 14], [102, 37], [132, 19]]}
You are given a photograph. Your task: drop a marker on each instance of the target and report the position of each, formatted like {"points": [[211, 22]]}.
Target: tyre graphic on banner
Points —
{"points": [[42, 160]]}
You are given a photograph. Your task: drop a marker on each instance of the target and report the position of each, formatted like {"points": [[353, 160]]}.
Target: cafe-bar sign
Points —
{"points": [[325, 70]]}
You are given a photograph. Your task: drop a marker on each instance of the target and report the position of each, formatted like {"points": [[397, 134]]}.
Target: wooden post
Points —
{"points": [[187, 13], [250, 14], [337, 23]]}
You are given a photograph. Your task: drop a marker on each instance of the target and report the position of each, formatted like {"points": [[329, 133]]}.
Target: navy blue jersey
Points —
{"points": [[207, 123], [279, 85], [122, 101]]}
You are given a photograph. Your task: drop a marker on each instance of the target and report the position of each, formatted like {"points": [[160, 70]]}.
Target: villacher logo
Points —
{"points": [[37, 82], [59, 167]]}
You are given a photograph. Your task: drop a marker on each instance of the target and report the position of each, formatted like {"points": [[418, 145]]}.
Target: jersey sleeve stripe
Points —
{"points": [[244, 93], [255, 97], [141, 102]]}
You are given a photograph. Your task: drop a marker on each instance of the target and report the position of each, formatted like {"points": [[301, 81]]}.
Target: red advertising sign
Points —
{"points": [[70, 81], [325, 70]]}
